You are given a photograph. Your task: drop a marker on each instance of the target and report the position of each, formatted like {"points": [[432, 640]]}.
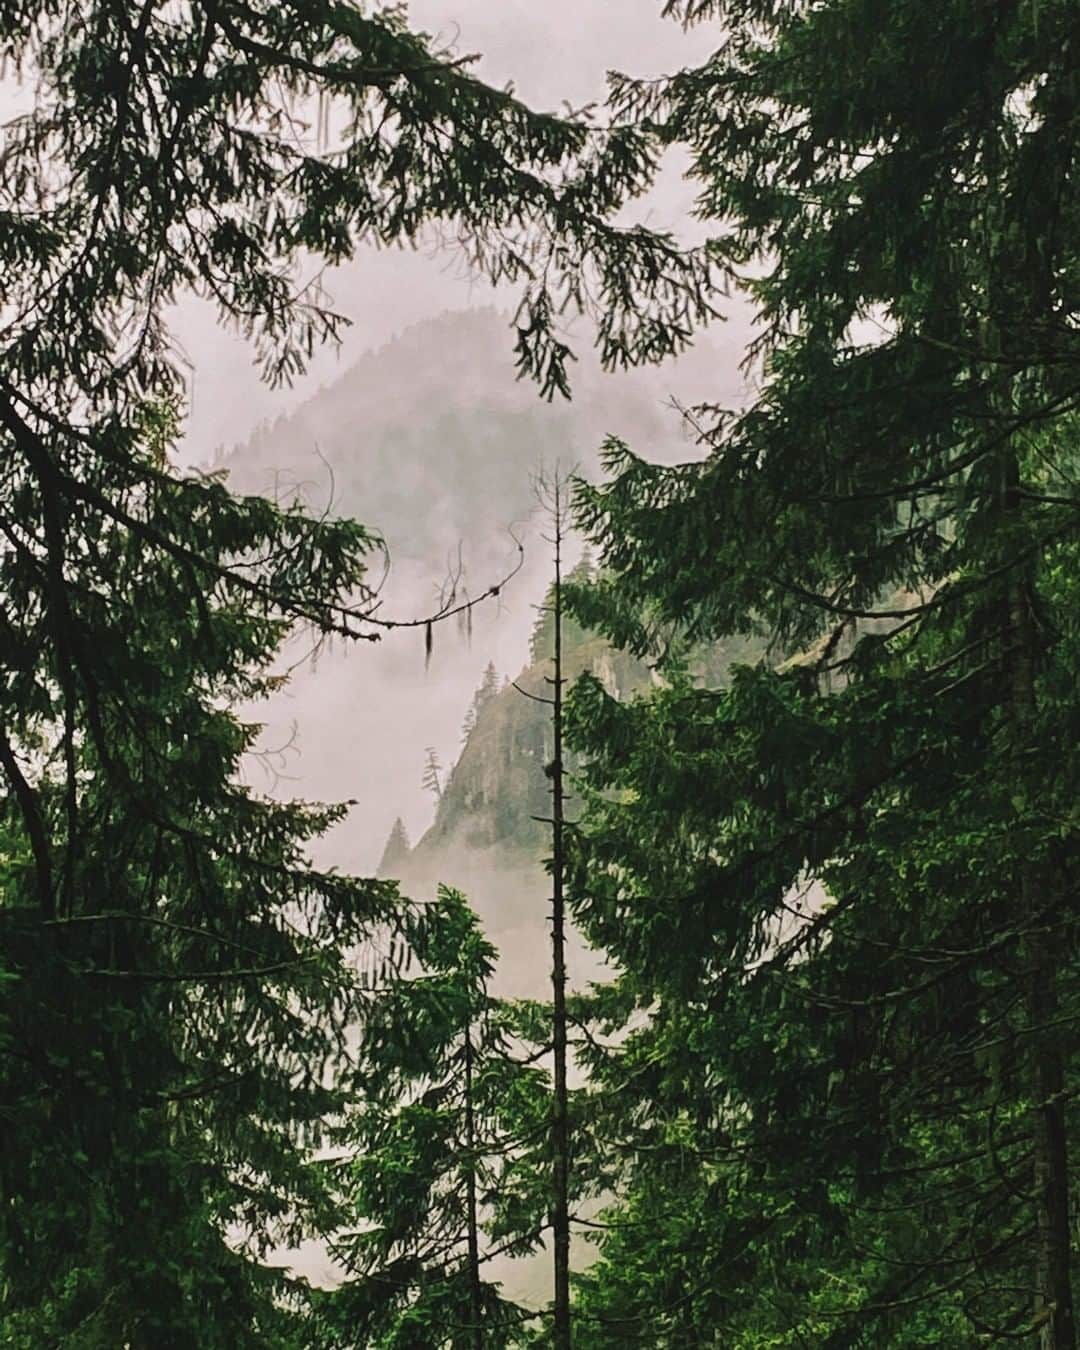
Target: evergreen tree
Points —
{"points": [[179, 987], [840, 889], [432, 779], [178, 991], [444, 1149], [552, 496], [489, 687], [469, 723], [542, 640], [560, 1125], [396, 850]]}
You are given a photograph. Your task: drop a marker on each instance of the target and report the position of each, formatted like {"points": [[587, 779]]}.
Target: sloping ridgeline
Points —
{"points": [[490, 836], [432, 440]]}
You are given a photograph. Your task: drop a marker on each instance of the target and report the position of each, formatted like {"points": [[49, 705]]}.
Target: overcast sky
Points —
{"points": [[553, 51]]}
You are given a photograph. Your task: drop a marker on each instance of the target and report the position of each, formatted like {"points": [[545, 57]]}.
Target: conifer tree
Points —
{"points": [[841, 887], [179, 987], [443, 1149], [396, 850], [432, 779], [560, 1130], [552, 497], [150, 904], [487, 690], [489, 686]]}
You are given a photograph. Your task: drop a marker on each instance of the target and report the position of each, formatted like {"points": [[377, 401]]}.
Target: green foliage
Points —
{"points": [[838, 885], [839, 889], [187, 162], [827, 1099], [181, 986], [446, 1132], [181, 996]]}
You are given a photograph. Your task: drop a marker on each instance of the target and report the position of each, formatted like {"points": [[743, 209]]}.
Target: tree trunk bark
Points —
{"points": [[1054, 1313], [560, 1124], [473, 1239]]}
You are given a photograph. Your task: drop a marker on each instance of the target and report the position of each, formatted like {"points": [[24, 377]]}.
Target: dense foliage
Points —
{"points": [[843, 890], [180, 989], [176, 976], [831, 1091], [443, 1151]]}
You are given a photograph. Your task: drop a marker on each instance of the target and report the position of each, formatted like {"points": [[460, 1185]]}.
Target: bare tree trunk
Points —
{"points": [[560, 1125], [473, 1237], [1053, 1288]]}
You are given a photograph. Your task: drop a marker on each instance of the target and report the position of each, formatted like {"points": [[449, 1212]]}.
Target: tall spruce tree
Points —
{"points": [[178, 968], [842, 891], [180, 990]]}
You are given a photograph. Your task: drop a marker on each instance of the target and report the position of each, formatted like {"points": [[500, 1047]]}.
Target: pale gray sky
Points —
{"points": [[553, 51]]}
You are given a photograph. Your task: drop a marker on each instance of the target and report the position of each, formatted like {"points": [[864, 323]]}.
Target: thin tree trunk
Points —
{"points": [[473, 1237], [1054, 1313], [1053, 1288], [560, 1125]]}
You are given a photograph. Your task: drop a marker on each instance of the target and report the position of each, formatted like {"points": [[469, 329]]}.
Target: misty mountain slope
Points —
{"points": [[489, 837], [498, 785], [497, 788], [432, 437], [431, 440]]}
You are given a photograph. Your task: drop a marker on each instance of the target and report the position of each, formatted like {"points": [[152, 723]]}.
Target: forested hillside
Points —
{"points": [[434, 438], [493, 797]]}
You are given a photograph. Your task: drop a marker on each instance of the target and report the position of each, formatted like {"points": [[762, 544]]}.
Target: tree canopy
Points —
{"points": [[842, 888], [832, 1089], [177, 985]]}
